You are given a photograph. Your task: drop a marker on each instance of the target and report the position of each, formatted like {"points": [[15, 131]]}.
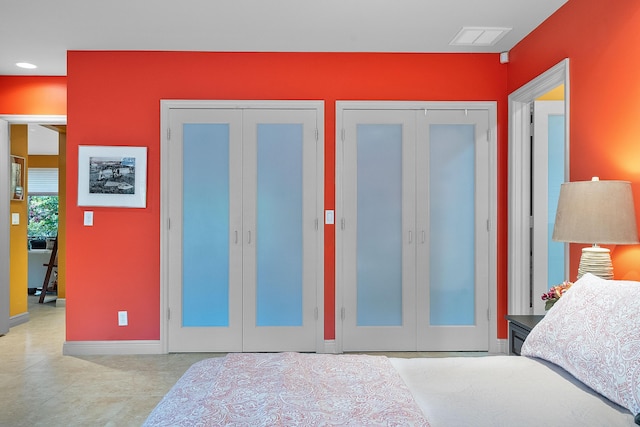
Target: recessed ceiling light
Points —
{"points": [[479, 36], [26, 65]]}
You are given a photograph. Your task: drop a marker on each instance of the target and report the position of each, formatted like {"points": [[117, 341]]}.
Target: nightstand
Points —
{"points": [[519, 328]]}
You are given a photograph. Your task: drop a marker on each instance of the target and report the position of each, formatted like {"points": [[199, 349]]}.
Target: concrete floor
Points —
{"points": [[41, 387]]}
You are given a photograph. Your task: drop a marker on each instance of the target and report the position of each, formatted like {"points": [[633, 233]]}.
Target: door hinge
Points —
{"points": [[342, 225], [315, 313], [342, 313], [168, 134], [343, 134], [489, 314], [531, 221], [317, 134], [168, 314], [317, 221], [488, 135], [488, 225]]}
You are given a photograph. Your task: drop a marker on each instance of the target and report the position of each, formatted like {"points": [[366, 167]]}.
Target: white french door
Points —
{"points": [[244, 237], [413, 240], [548, 173]]}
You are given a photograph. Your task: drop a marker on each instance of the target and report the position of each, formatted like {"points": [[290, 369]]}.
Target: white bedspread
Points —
{"points": [[289, 389], [507, 391]]}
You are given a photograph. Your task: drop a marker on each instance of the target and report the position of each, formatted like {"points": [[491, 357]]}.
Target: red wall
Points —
{"points": [[602, 41], [33, 95], [114, 99]]}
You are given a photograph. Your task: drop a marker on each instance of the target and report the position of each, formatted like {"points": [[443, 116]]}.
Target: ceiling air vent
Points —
{"points": [[479, 36]]}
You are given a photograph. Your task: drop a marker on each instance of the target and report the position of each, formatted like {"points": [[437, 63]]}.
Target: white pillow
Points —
{"points": [[593, 332]]}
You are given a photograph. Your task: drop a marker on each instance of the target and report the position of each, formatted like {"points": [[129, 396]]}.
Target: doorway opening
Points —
{"points": [[9, 314], [521, 249]]}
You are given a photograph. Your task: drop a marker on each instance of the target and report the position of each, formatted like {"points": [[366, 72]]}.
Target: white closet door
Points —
{"points": [[281, 230], [205, 247], [453, 238], [413, 242], [379, 311], [243, 241]]}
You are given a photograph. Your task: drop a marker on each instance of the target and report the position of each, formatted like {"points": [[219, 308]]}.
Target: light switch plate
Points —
{"points": [[123, 318], [15, 218], [88, 218], [329, 217]]}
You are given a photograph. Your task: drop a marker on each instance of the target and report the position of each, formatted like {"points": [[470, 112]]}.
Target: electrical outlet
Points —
{"points": [[122, 318]]}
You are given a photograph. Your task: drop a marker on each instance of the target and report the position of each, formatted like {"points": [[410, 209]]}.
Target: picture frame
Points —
{"points": [[112, 176], [18, 166]]}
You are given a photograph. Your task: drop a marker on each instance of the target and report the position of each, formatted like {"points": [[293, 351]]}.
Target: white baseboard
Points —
{"points": [[61, 302], [18, 319], [91, 348], [330, 347], [500, 346]]}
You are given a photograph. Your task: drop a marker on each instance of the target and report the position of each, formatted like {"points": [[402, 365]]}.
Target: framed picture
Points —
{"points": [[17, 178], [112, 176]]}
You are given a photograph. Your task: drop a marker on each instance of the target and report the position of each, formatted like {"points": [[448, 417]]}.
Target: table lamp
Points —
{"points": [[596, 212]]}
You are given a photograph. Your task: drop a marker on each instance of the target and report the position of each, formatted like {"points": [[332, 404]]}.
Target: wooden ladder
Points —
{"points": [[53, 263]]}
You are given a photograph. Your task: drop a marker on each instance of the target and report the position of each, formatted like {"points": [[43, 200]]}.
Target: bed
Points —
{"points": [[580, 367]]}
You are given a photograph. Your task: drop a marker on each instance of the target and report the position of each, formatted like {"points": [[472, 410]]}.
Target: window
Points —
{"points": [[42, 204]]}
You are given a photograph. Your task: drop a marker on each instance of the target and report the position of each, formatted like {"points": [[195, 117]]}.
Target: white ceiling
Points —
{"points": [[42, 140], [41, 31]]}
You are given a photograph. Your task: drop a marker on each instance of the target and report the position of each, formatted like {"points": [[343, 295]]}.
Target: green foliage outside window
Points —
{"points": [[43, 217]]}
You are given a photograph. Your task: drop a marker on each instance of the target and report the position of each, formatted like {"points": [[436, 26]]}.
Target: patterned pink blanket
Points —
{"points": [[289, 389]]}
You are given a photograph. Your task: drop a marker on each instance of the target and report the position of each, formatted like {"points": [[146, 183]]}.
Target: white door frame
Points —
{"points": [[519, 263], [495, 345], [5, 249], [5, 152]]}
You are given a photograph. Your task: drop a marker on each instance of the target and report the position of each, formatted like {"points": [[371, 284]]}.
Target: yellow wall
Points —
{"points": [[62, 215], [18, 253], [43, 161], [556, 94]]}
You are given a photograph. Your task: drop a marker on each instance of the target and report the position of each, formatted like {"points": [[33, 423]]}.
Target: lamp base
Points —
{"points": [[597, 261]]}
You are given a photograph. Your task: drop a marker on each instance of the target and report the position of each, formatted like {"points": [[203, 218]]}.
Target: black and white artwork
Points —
{"points": [[112, 176]]}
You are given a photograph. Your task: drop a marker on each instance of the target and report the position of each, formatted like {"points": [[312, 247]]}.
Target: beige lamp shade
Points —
{"points": [[596, 212]]}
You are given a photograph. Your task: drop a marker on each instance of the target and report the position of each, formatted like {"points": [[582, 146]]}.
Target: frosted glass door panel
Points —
{"points": [[279, 225], [379, 222], [205, 259], [451, 224], [556, 273]]}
